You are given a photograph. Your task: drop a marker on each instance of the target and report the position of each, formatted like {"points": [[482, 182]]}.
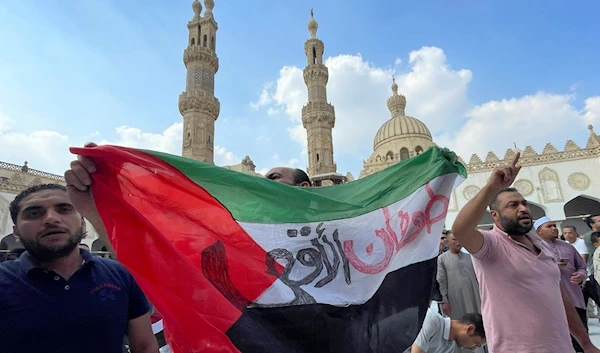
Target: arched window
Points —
{"points": [[419, 150], [389, 155], [404, 154], [188, 134], [314, 53], [212, 43], [193, 41], [204, 41], [208, 138], [317, 157]]}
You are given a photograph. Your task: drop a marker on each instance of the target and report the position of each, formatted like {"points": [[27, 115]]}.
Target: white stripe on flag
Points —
{"points": [[307, 256]]}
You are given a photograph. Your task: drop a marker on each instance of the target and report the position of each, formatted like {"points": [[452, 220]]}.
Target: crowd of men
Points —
{"points": [[529, 287], [515, 288]]}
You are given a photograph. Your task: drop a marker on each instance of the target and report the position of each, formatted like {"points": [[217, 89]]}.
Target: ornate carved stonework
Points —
{"points": [[550, 183], [578, 181], [524, 186], [470, 191], [205, 55], [453, 205], [549, 155], [190, 101]]}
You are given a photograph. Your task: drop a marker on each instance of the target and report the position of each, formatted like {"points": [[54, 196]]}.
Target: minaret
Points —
{"points": [[318, 116], [197, 104]]}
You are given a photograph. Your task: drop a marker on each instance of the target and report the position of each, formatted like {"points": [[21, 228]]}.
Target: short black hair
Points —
{"points": [[572, 227], [494, 204], [590, 219], [594, 237], [15, 205], [300, 176], [476, 320]]}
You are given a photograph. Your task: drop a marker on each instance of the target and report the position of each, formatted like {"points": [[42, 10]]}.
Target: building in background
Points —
{"points": [[556, 183]]}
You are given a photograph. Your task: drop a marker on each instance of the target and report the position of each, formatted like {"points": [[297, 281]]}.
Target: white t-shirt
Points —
{"points": [[435, 333], [579, 245]]}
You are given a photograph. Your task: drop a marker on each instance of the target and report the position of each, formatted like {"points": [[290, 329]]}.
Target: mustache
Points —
{"points": [[53, 229]]}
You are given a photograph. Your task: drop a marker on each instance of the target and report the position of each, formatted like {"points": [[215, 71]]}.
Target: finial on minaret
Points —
{"points": [[197, 7], [394, 85], [210, 5], [591, 128], [313, 26]]}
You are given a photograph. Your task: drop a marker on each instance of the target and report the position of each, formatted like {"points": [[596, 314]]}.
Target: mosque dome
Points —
{"points": [[400, 126]]}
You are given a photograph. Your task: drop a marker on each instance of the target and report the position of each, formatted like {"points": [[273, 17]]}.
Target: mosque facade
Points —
{"points": [[556, 182]]}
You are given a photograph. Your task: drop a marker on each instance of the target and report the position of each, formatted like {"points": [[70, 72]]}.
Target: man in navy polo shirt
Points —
{"points": [[59, 298]]}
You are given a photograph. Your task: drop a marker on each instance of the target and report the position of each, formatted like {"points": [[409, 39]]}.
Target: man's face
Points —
{"points": [[548, 231], [285, 176], [467, 338], [512, 214], [48, 225], [596, 223], [570, 234], [453, 243]]}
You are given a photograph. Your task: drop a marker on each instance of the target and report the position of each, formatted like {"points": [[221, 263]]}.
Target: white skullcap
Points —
{"points": [[541, 221]]}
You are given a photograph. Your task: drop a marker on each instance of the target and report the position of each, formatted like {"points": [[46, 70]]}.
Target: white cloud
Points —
{"points": [[530, 120], [264, 98], [168, 141], [43, 150], [358, 90], [437, 94], [225, 157], [592, 110]]}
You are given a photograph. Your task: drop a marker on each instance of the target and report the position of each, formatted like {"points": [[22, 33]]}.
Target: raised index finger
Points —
{"points": [[515, 159]]}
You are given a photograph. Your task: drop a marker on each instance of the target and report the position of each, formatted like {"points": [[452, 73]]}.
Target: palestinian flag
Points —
{"points": [[239, 263]]}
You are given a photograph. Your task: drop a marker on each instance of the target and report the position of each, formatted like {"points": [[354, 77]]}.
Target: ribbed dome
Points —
{"points": [[398, 127]]}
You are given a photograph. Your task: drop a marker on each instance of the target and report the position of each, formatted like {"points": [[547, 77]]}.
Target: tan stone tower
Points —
{"points": [[198, 105], [318, 116]]}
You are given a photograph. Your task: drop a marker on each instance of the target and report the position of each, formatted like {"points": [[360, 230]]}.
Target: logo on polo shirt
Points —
{"points": [[106, 291]]}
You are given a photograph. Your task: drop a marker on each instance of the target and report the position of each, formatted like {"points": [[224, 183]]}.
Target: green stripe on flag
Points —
{"points": [[254, 199]]}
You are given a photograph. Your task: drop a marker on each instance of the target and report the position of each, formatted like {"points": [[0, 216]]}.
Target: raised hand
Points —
{"points": [[79, 179], [503, 177]]}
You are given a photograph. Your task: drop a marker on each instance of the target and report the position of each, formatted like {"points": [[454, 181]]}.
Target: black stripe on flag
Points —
{"points": [[388, 322]]}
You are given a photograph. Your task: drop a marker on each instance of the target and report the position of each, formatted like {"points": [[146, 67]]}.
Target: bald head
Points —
{"points": [[289, 176]]}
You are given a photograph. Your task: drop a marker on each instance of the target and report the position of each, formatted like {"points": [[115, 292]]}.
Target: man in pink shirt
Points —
{"points": [[519, 279], [572, 267]]}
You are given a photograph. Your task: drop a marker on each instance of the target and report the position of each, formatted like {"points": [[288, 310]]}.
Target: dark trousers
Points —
{"points": [[583, 315], [590, 290]]}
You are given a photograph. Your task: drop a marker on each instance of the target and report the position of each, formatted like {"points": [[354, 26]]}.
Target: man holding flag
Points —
{"points": [[237, 263]]}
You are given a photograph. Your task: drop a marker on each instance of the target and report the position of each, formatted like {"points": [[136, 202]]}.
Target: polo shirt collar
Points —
{"points": [[446, 333], [28, 263]]}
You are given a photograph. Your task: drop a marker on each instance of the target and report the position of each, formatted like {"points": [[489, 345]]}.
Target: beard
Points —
{"points": [[513, 227], [44, 253]]}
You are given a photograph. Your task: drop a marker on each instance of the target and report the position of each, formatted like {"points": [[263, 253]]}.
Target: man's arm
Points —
{"points": [[416, 349], [442, 280], [140, 336], [79, 178], [464, 227], [584, 257], [580, 269], [576, 327]]}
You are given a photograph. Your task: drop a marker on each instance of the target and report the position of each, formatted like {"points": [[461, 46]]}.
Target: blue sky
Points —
{"points": [[111, 71]]}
